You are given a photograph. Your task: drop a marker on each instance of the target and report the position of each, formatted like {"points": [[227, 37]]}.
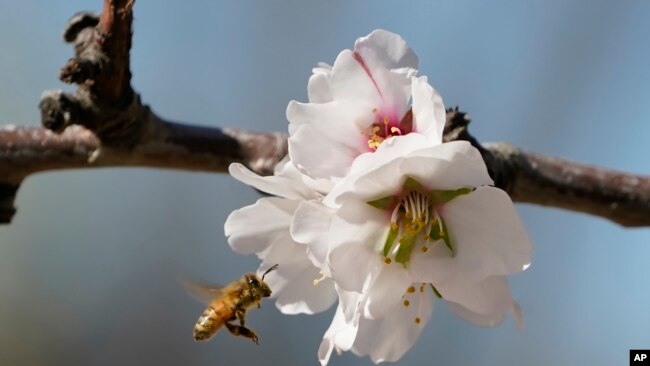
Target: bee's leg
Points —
{"points": [[240, 330], [241, 315]]}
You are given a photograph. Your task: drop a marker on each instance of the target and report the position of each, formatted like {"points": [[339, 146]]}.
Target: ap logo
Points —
{"points": [[639, 357]]}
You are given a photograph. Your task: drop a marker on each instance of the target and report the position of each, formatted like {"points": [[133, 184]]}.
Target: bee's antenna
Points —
{"points": [[269, 270]]}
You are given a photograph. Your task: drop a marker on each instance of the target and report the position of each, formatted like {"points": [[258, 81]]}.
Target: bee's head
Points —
{"points": [[257, 285]]}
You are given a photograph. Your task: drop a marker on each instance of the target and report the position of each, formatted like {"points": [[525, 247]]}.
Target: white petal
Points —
{"points": [[326, 159], [434, 266], [293, 288], [252, 229], [310, 226], [355, 233], [487, 233], [340, 336], [386, 290], [429, 114], [287, 169], [518, 315], [450, 165], [490, 296], [481, 320], [389, 48], [272, 184], [319, 87], [389, 338], [350, 265], [491, 319]]}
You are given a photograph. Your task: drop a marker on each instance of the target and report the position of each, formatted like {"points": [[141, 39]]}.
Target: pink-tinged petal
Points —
{"points": [[350, 80], [355, 233], [271, 184], [325, 138], [310, 226], [252, 229], [388, 48], [428, 110], [386, 290], [365, 79], [488, 296], [389, 338], [319, 88], [488, 235]]}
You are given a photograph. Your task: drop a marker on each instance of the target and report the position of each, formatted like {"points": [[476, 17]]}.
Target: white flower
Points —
{"points": [[358, 103], [374, 204], [413, 221], [263, 229]]}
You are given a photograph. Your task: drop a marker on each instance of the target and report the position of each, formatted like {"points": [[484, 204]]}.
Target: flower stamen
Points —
{"points": [[382, 129], [318, 280]]}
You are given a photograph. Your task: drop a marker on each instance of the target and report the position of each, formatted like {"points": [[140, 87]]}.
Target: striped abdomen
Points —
{"points": [[213, 318]]}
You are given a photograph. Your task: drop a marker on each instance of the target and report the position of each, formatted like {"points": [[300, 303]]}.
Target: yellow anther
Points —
{"points": [[318, 280], [410, 290], [387, 260], [406, 303], [393, 226], [421, 288], [386, 120], [374, 110], [395, 129], [424, 248], [417, 320]]}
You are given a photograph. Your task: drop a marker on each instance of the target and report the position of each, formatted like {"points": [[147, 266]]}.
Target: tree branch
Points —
{"points": [[104, 124], [526, 176]]}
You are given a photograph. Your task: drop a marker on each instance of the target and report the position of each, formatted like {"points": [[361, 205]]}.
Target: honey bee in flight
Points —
{"points": [[227, 304]]}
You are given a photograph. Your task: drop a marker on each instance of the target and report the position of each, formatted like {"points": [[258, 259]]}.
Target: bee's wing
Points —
{"points": [[203, 291]]}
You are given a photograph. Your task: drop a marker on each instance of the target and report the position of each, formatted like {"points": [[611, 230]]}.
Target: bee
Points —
{"points": [[228, 304]]}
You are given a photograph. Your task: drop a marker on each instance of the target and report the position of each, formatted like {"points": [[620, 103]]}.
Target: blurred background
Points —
{"points": [[89, 266]]}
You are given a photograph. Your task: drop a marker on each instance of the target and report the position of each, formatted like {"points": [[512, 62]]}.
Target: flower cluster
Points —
{"points": [[372, 209]]}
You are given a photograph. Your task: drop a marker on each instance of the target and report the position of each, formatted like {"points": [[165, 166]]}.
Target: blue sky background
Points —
{"points": [[89, 267]]}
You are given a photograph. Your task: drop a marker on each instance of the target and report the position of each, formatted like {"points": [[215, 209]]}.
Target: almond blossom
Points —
{"points": [[413, 222], [358, 103], [374, 210]]}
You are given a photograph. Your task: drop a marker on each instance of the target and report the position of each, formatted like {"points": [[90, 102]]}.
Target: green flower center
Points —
{"points": [[415, 220]]}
